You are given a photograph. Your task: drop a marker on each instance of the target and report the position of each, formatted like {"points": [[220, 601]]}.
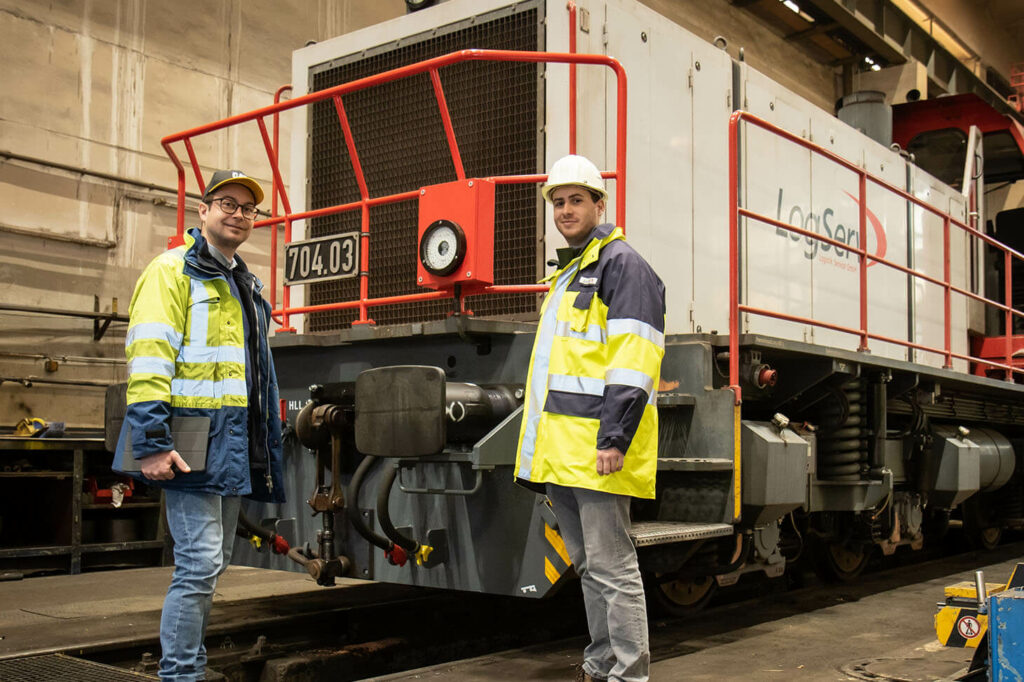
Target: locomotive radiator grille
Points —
{"points": [[401, 145]]}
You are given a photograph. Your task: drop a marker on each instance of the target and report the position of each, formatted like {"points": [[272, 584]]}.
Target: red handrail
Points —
{"points": [[736, 307], [365, 202], [571, 8], [274, 190]]}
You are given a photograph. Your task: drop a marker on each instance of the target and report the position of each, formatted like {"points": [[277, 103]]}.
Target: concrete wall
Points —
{"points": [[95, 84]]}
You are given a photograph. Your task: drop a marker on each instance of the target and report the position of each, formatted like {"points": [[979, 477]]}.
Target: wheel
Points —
{"points": [[679, 598], [981, 529], [839, 562], [935, 527]]}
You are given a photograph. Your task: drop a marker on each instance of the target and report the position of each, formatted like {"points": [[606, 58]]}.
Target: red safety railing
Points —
{"points": [[737, 307], [570, 7], [365, 201], [275, 192]]}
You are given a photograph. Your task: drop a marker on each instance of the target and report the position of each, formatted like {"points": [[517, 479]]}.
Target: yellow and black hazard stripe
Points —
{"points": [[1017, 577], [556, 556], [951, 626]]}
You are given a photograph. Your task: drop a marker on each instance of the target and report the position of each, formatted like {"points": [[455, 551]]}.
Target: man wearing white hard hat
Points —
{"points": [[589, 437]]}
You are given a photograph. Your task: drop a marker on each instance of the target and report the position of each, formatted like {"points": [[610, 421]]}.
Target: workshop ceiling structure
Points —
{"points": [[875, 34]]}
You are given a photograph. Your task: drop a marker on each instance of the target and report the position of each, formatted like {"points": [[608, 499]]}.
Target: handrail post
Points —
{"points": [[364, 197], [278, 182], [862, 258], [947, 333], [286, 290], [734, 223], [620, 149], [195, 165], [1008, 313], [180, 234], [571, 6], [446, 121], [274, 189]]}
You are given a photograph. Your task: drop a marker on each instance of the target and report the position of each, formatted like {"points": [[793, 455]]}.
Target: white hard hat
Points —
{"points": [[574, 170]]}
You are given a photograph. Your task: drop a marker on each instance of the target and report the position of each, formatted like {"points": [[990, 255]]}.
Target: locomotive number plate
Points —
{"points": [[324, 258]]}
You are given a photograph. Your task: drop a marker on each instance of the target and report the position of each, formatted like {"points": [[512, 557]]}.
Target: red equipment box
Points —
{"points": [[456, 234]]}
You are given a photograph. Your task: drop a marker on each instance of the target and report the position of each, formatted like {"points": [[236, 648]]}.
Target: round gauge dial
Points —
{"points": [[442, 247]]}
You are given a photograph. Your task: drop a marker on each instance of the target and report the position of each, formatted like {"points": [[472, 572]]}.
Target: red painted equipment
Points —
{"points": [[278, 544], [366, 202], [956, 111], [993, 348], [397, 556], [456, 227]]}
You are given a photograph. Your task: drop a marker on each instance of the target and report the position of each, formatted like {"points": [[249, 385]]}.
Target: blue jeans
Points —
{"points": [[203, 528], [595, 528]]}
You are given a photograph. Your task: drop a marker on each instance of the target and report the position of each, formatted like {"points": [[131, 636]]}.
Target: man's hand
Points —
{"points": [[609, 461], [157, 467]]}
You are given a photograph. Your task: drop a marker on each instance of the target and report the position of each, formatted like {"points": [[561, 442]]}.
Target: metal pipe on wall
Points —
{"points": [[66, 359], [96, 174], [28, 382]]}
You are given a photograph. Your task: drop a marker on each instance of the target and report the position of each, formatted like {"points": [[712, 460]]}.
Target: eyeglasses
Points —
{"points": [[229, 206]]}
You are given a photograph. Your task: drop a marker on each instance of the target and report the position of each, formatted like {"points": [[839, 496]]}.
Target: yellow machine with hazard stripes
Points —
{"points": [[962, 620]]}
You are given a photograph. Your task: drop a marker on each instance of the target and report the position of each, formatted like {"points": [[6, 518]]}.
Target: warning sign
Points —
{"points": [[968, 627]]}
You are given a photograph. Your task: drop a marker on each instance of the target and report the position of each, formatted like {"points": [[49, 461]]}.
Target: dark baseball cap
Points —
{"points": [[226, 177]]}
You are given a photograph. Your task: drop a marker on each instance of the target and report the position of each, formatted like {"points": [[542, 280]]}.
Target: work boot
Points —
{"points": [[583, 676]]}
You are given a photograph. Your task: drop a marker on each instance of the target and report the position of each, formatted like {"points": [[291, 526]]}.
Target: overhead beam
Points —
{"points": [[888, 34], [818, 28], [861, 28]]}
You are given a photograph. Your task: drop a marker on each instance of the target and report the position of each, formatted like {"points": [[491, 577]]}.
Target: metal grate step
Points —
{"points": [[676, 399], [61, 668], [694, 464], [646, 533]]}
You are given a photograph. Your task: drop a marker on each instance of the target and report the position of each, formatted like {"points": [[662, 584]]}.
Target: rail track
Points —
{"points": [[378, 629]]}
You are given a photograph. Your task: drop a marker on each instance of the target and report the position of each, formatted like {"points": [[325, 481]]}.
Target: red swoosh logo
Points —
{"points": [[881, 243]]}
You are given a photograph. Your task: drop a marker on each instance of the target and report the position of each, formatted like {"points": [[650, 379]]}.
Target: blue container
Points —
{"points": [[1006, 636]]}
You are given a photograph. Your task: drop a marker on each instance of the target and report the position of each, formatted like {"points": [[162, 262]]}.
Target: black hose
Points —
{"points": [[384, 516], [747, 541], [296, 555], [353, 506], [247, 528]]}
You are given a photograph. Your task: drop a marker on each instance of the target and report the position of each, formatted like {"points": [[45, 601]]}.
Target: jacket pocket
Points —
{"points": [[579, 314], [204, 321]]}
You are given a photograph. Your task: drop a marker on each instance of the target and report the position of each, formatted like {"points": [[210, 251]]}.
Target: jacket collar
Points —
{"points": [[599, 236], [205, 266]]}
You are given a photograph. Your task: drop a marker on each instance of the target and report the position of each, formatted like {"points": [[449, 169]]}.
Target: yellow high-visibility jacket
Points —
{"points": [[187, 357], [594, 372]]}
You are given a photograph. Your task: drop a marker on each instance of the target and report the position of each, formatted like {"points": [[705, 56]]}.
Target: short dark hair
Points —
{"points": [[596, 196]]}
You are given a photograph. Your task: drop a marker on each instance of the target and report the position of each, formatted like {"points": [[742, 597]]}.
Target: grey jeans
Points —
{"points": [[595, 528]]}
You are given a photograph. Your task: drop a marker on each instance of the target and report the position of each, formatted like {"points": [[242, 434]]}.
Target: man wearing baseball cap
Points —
{"points": [[198, 355], [589, 436]]}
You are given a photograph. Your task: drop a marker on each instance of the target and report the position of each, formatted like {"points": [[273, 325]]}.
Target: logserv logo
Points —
{"points": [[828, 225]]}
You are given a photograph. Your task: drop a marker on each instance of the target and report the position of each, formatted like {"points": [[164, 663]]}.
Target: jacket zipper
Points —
{"points": [[257, 333], [256, 360]]}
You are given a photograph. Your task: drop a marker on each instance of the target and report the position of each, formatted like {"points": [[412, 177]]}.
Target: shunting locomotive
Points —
{"points": [[840, 352]]}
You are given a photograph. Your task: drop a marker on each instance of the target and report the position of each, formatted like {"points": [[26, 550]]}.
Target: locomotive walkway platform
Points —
{"points": [[879, 628]]}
